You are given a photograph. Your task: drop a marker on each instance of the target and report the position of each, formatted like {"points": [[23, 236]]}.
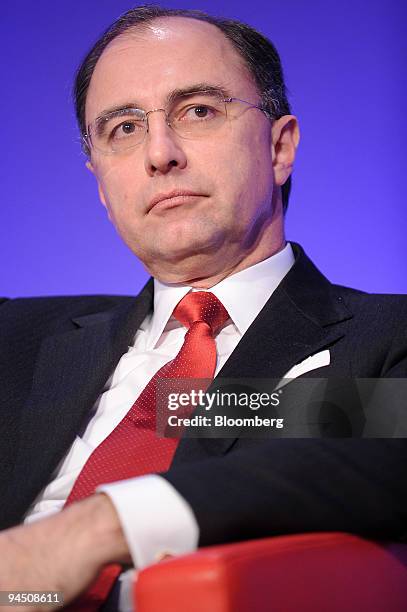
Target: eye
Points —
{"points": [[198, 112], [201, 111], [126, 129]]}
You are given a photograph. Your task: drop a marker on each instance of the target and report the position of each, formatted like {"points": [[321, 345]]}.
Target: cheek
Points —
{"points": [[250, 176], [120, 185], [249, 157]]}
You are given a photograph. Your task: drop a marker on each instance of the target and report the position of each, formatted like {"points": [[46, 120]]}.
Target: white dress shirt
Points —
{"points": [[156, 520]]}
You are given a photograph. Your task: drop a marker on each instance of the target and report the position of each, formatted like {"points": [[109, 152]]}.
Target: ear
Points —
{"points": [[100, 190], [285, 139]]}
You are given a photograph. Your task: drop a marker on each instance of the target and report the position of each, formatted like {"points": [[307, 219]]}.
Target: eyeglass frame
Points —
{"points": [[86, 137]]}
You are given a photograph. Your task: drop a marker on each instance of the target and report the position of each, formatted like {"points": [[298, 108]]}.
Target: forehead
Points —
{"points": [[146, 63]]}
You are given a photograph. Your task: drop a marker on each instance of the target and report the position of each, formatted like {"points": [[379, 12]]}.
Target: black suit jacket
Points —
{"points": [[57, 353]]}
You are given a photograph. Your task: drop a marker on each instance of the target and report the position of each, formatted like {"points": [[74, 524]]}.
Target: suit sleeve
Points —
{"points": [[293, 486], [283, 486]]}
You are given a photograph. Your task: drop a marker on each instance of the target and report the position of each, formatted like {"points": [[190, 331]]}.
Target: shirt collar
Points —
{"points": [[243, 294]]}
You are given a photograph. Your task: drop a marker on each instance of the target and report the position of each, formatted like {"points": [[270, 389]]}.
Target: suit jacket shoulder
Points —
{"points": [[52, 314]]}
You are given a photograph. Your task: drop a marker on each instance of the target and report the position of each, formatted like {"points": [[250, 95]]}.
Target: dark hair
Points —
{"points": [[258, 53]]}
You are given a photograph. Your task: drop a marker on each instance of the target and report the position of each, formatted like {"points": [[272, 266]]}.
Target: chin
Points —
{"points": [[182, 265], [183, 242], [177, 246]]}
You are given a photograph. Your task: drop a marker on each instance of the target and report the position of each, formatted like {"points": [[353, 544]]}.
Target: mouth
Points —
{"points": [[174, 198]]}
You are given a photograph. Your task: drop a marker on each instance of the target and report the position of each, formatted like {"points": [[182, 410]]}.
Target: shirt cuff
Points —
{"points": [[155, 518]]}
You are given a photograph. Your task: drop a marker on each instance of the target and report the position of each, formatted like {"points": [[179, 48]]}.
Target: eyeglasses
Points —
{"points": [[194, 115]]}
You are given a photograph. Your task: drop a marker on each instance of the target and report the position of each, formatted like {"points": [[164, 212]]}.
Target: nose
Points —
{"points": [[162, 148]]}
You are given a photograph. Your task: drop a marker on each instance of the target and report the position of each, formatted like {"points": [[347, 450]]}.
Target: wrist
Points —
{"points": [[101, 532]]}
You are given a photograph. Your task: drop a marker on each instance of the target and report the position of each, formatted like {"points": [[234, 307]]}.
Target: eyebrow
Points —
{"points": [[172, 97]]}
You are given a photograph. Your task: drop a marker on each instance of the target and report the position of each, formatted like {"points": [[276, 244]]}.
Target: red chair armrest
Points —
{"points": [[319, 572]]}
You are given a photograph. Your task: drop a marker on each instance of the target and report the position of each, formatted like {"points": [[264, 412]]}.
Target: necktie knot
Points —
{"points": [[201, 306]]}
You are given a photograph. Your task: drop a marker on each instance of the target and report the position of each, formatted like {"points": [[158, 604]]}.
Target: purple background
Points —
{"points": [[346, 71]]}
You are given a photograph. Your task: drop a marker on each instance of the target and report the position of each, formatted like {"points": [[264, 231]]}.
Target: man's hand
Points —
{"points": [[64, 552]]}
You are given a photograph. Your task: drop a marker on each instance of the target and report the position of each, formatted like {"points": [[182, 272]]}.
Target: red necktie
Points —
{"points": [[133, 448]]}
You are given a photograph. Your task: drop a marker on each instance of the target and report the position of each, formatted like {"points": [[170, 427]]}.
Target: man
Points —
{"points": [[192, 144]]}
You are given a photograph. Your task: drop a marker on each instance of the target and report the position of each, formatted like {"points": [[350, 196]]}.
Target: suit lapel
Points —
{"points": [[70, 372], [303, 316]]}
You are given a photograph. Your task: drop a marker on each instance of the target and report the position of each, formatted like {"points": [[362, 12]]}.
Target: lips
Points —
{"points": [[162, 198]]}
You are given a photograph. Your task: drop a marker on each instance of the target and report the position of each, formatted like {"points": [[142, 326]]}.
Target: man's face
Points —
{"points": [[230, 222]]}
